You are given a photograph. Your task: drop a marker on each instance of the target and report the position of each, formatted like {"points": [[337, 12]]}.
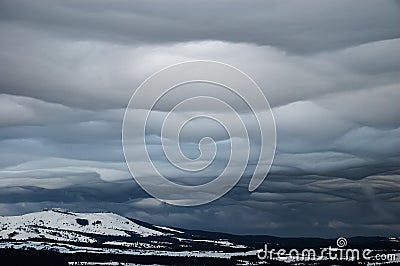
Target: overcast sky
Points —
{"points": [[330, 70]]}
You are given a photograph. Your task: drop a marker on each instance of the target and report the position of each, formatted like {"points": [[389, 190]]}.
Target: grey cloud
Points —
{"points": [[327, 68], [98, 76], [301, 26]]}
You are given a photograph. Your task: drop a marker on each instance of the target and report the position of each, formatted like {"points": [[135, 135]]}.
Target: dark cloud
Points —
{"points": [[302, 26], [328, 70]]}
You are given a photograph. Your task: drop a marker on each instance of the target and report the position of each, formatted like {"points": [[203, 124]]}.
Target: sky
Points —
{"points": [[329, 70]]}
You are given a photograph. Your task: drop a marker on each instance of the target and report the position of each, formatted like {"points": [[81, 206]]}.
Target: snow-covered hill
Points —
{"points": [[64, 228], [62, 225], [111, 236]]}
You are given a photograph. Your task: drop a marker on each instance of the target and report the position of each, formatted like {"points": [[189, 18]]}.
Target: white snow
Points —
{"points": [[63, 226], [219, 242], [168, 229], [133, 244], [68, 248]]}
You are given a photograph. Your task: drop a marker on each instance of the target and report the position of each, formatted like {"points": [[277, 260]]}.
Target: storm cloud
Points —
{"points": [[328, 69]]}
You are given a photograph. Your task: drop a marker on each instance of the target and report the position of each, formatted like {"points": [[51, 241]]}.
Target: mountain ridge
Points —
{"points": [[103, 234]]}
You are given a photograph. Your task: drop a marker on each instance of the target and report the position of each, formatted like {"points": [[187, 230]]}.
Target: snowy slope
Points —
{"points": [[63, 225], [94, 229]]}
